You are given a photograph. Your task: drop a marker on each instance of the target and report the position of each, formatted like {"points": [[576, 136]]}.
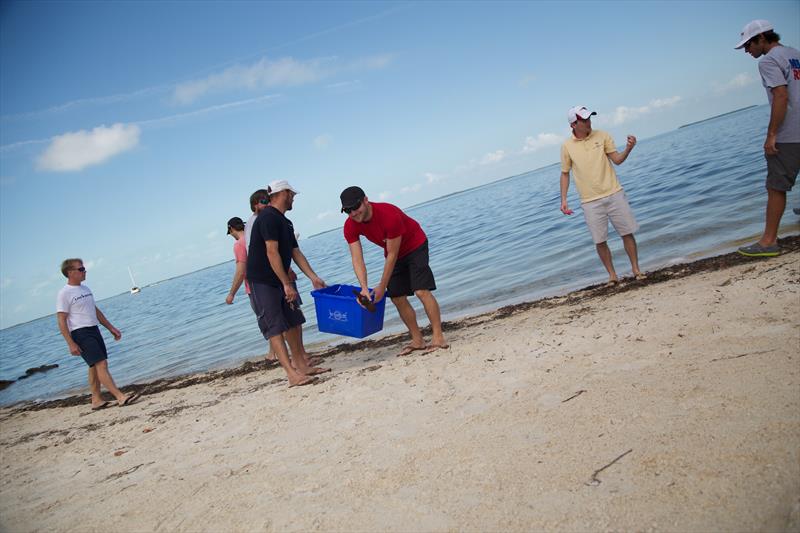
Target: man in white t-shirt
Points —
{"points": [[78, 319], [779, 67]]}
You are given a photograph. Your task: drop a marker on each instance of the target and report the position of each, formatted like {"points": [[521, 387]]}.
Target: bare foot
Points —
{"points": [[305, 380], [408, 350]]}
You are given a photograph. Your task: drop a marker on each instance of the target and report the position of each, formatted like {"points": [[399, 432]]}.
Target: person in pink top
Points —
{"points": [[236, 230], [406, 270]]}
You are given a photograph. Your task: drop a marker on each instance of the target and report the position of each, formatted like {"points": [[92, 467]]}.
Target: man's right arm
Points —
{"points": [[238, 278], [564, 188], [74, 349], [780, 103], [359, 267], [274, 258]]}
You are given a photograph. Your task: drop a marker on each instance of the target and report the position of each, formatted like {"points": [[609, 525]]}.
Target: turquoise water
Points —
{"points": [[696, 191]]}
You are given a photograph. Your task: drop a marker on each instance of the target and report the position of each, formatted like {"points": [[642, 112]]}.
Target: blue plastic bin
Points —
{"points": [[338, 312]]}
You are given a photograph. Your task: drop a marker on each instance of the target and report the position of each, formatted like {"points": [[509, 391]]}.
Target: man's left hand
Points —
{"points": [[318, 283], [631, 143], [116, 333], [378, 293]]}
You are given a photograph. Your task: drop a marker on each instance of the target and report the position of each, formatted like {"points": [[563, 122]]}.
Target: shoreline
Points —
{"points": [[666, 405], [788, 244]]}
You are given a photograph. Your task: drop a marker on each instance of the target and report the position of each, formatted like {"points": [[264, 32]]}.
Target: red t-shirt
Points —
{"points": [[387, 222]]}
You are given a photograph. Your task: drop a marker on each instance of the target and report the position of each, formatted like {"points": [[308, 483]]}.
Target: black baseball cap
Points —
{"points": [[351, 196], [235, 223]]}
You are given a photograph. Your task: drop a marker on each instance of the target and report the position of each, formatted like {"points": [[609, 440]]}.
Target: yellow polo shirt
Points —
{"points": [[591, 168]]}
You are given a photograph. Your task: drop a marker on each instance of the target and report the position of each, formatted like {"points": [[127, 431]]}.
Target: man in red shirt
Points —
{"points": [[406, 270]]}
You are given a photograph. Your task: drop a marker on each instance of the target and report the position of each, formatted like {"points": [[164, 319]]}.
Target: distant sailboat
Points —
{"points": [[135, 289]]}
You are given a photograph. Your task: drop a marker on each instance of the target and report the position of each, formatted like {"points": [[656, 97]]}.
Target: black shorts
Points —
{"points": [[273, 312], [412, 273], [90, 340], [782, 167]]}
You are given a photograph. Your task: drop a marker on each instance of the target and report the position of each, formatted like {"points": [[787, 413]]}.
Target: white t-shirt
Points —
{"points": [[78, 302], [248, 229]]}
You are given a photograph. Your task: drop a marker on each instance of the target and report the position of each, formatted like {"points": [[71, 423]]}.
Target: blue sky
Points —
{"points": [[131, 131]]}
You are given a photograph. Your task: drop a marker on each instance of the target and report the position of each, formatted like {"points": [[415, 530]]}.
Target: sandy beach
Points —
{"points": [[671, 404]]}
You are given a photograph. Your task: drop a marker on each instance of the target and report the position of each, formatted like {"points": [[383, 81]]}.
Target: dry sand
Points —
{"points": [[671, 405]]}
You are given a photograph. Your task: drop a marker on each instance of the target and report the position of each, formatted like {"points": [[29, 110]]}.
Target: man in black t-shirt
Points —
{"points": [[273, 246]]}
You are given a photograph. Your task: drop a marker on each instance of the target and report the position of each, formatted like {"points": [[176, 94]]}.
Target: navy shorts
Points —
{"points": [[782, 167], [412, 273], [274, 314], [90, 340]]}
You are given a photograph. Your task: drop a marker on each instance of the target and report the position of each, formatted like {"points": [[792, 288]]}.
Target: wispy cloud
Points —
{"points": [[623, 114], [543, 140], [323, 141], [207, 110], [384, 195], [737, 82], [211, 235], [325, 214], [411, 188], [432, 178], [266, 73], [77, 150], [493, 157]]}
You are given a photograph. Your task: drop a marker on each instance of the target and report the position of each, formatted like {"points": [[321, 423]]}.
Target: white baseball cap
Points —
{"points": [[578, 111], [280, 185], [752, 29]]}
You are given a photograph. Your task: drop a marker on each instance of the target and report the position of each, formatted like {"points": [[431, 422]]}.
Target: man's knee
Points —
{"points": [[423, 294]]}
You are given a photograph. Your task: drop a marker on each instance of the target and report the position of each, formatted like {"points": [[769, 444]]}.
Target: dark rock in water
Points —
{"points": [[5, 383], [32, 371]]}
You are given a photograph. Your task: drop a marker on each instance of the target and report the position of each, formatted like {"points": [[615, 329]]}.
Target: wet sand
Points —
{"points": [[671, 404]]}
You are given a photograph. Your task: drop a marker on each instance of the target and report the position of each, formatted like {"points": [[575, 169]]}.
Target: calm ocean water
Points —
{"points": [[696, 191]]}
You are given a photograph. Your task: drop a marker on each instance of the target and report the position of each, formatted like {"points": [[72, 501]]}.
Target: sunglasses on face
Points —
{"points": [[79, 269], [348, 210]]}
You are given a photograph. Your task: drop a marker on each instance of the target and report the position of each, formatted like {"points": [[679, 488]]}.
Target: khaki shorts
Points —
{"points": [[614, 208]]}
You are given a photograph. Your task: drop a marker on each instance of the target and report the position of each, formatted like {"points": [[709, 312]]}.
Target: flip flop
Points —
{"points": [[130, 400], [308, 381], [408, 350], [611, 283], [317, 370], [433, 347], [641, 276], [101, 406]]}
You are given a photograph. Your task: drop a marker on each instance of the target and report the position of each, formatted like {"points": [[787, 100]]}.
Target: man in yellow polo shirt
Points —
{"points": [[588, 154]]}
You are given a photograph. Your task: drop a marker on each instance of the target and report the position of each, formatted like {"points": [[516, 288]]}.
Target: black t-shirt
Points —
{"points": [[270, 225]]}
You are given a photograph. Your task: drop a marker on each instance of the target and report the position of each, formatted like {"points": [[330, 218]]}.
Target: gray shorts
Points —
{"points": [[275, 315], [782, 168], [612, 208]]}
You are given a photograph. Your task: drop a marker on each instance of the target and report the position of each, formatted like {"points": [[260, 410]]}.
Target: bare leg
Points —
{"points": [[278, 346], [409, 317], [629, 241], [94, 387], [107, 381], [605, 256], [776, 203], [434, 316], [299, 357]]}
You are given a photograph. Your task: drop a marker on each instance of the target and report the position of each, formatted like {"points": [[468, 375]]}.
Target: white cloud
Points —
{"points": [[77, 150], [322, 141], [212, 235], [624, 114], [493, 157], [543, 140], [325, 214], [384, 195], [433, 178], [737, 82], [411, 188], [283, 72]]}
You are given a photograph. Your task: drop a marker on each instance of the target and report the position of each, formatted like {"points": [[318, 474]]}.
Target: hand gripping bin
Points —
{"points": [[338, 312]]}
